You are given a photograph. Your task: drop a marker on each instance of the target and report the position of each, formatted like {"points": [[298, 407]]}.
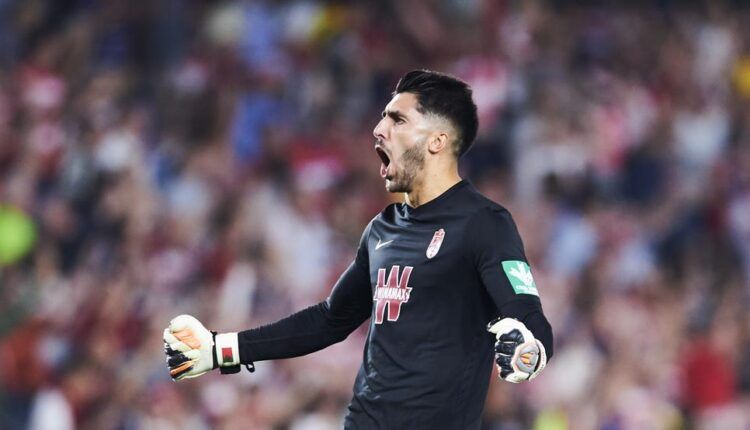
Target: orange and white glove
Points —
{"points": [[192, 350], [518, 355]]}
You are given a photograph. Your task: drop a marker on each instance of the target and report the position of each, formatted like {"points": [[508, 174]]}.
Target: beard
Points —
{"points": [[411, 163]]}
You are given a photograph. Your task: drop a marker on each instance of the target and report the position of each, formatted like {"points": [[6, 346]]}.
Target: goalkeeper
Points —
{"points": [[434, 275]]}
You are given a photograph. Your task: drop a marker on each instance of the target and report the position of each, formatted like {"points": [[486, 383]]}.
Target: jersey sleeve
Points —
{"points": [[348, 305], [498, 255]]}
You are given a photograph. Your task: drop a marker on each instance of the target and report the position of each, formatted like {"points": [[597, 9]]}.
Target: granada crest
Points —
{"points": [[437, 240]]}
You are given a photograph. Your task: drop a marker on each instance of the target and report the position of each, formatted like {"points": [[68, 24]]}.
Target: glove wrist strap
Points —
{"points": [[227, 353], [227, 350]]}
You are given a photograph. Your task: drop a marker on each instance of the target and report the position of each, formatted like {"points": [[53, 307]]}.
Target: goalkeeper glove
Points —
{"points": [[192, 350], [519, 356]]}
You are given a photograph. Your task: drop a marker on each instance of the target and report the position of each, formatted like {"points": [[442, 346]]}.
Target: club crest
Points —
{"points": [[437, 240]]}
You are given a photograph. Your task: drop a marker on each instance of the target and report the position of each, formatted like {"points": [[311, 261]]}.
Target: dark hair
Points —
{"points": [[446, 96]]}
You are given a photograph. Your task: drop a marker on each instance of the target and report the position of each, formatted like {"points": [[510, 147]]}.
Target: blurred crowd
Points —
{"points": [[215, 158]]}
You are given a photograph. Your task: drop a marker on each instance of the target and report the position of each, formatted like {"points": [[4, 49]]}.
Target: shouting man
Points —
{"points": [[433, 274]]}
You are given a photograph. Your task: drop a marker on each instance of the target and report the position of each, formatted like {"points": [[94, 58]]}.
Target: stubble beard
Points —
{"points": [[411, 162]]}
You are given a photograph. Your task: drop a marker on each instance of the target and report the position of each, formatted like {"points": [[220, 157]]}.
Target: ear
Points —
{"points": [[437, 142]]}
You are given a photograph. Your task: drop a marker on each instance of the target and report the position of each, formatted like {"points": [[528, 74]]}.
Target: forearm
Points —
{"points": [[538, 325], [301, 333], [530, 313], [321, 325]]}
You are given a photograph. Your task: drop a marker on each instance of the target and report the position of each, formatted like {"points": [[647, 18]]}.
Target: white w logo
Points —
{"points": [[392, 293]]}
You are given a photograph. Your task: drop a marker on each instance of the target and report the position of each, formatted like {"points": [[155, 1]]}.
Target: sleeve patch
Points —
{"points": [[519, 276]]}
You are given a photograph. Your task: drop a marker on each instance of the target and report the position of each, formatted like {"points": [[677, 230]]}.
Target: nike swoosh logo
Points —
{"points": [[380, 245]]}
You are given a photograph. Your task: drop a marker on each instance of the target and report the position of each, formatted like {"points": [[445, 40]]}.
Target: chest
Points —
{"points": [[420, 270], [416, 256]]}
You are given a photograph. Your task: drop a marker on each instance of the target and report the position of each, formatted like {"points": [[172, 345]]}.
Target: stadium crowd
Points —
{"points": [[215, 158]]}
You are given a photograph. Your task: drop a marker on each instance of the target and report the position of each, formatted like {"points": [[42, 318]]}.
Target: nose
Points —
{"points": [[379, 130]]}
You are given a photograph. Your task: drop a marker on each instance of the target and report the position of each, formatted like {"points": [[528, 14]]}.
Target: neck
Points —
{"points": [[430, 187]]}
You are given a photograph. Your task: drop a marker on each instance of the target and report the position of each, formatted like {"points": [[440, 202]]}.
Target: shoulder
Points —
{"points": [[387, 215], [491, 219], [485, 211], [491, 229]]}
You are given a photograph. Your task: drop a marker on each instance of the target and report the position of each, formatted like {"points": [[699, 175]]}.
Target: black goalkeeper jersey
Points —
{"points": [[430, 279]]}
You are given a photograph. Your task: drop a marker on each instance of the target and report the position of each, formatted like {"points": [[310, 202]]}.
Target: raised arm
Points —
{"points": [[193, 350], [316, 327]]}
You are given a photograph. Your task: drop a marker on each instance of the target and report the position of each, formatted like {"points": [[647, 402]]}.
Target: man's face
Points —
{"points": [[400, 141]]}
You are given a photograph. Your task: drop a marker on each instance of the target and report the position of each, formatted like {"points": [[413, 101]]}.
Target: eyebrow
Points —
{"points": [[393, 114]]}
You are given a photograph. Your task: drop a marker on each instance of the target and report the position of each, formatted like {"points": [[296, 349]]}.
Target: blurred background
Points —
{"points": [[215, 158]]}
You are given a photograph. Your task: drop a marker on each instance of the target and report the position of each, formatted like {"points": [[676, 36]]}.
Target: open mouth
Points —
{"points": [[385, 161]]}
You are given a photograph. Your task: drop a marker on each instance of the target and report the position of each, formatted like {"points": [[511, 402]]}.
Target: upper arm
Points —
{"points": [[351, 296], [498, 255]]}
